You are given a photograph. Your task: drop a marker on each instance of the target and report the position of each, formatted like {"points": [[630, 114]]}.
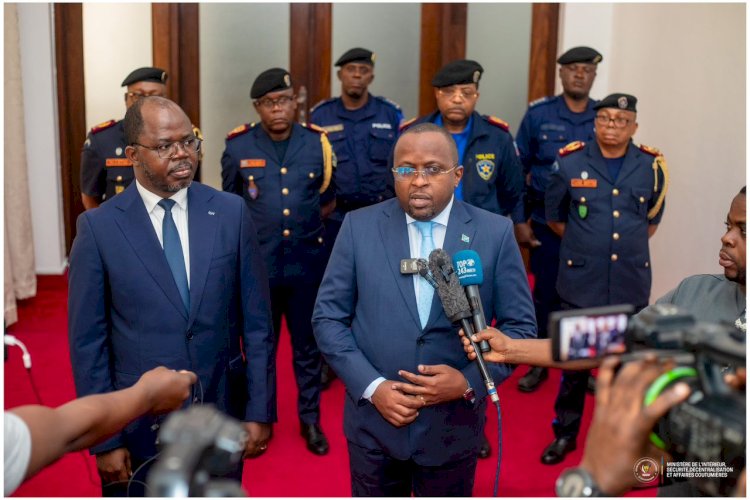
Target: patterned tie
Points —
{"points": [[173, 252], [425, 289]]}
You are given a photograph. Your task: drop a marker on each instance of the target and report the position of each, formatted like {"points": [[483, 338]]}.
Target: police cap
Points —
{"points": [[580, 55], [457, 73], [625, 102], [271, 80], [357, 54], [156, 75]]}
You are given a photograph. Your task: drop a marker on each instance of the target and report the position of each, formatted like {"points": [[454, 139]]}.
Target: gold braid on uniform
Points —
{"points": [[328, 159], [659, 163]]}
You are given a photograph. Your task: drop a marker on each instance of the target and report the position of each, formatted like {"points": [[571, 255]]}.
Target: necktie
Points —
{"points": [[424, 303], [173, 252]]}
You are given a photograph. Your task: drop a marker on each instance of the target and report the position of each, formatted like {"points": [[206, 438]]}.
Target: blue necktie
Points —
{"points": [[426, 291], [173, 252]]}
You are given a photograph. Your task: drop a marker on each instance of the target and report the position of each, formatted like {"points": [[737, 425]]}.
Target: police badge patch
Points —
{"points": [[485, 169]]}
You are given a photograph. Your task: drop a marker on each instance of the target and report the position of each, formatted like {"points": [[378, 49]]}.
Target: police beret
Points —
{"points": [[580, 55], [625, 102], [271, 80], [357, 54], [458, 72], [157, 75]]}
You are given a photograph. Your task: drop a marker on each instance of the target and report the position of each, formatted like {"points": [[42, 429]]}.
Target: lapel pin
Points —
{"points": [[464, 238], [211, 212]]}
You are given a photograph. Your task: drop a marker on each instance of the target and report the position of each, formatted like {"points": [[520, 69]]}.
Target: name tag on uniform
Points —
{"points": [[334, 128], [118, 162], [583, 183], [253, 163]]}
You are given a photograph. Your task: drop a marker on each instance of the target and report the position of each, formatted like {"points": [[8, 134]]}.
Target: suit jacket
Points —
{"points": [[125, 315], [367, 325]]}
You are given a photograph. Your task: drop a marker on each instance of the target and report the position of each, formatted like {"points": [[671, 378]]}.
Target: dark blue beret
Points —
{"points": [[157, 75], [457, 73], [271, 80], [357, 54], [580, 55], [625, 102]]}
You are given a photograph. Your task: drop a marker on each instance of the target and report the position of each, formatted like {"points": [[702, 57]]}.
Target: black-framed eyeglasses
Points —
{"points": [[464, 94], [269, 103], [619, 121], [429, 172], [191, 145]]}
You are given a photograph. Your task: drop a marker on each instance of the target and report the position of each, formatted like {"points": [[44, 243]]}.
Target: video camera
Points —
{"points": [[197, 443], [709, 427]]}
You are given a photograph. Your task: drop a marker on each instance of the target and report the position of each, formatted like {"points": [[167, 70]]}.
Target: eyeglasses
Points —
{"points": [[464, 94], [619, 121], [190, 145], [137, 95], [268, 103], [429, 172]]}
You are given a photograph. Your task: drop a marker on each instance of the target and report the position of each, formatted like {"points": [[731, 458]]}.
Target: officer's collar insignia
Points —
{"points": [[485, 169], [570, 148], [464, 238], [622, 102]]}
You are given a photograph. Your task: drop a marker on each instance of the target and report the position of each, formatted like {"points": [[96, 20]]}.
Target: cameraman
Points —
{"points": [[37, 436]]}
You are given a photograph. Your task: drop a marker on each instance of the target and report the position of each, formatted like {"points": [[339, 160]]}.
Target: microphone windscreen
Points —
{"points": [[452, 295], [468, 267]]}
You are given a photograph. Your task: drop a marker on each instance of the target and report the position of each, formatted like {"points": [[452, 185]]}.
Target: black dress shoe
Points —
{"points": [[555, 453], [484, 449], [316, 440], [533, 378]]}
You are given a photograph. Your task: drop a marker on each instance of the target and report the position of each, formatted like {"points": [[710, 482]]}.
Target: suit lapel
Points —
{"points": [[136, 226], [393, 231], [202, 221]]}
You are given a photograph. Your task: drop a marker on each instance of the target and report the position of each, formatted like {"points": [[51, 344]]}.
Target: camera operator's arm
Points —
{"points": [[619, 431], [84, 422], [534, 352]]}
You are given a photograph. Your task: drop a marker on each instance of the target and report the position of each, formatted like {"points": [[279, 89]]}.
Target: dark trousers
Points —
{"points": [[136, 486], [544, 261], [375, 474], [296, 302]]}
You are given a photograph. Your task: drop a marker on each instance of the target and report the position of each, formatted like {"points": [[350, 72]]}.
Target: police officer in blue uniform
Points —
{"points": [[493, 177], [285, 173], [605, 199], [549, 124], [105, 171]]}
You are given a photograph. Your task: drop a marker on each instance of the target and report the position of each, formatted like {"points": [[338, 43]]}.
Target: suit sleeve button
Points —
{"points": [[189, 335]]}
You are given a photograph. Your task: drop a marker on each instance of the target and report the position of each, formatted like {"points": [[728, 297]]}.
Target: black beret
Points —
{"points": [[270, 80], [157, 75], [457, 73], [357, 54], [580, 55], [625, 102]]}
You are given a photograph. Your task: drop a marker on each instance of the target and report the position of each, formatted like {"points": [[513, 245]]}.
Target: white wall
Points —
{"points": [[42, 149], [116, 40], [686, 64]]}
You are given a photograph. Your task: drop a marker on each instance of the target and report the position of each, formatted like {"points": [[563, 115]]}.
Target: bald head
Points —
{"points": [[133, 121]]}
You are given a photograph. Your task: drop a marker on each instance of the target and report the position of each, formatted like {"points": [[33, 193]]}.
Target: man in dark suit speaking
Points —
{"points": [[169, 273], [411, 419]]}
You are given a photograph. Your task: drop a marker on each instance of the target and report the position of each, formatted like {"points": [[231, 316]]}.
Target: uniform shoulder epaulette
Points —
{"points": [[320, 103], [539, 101], [388, 101], [406, 124], [571, 148], [238, 131], [316, 128], [649, 150], [103, 126], [494, 120]]}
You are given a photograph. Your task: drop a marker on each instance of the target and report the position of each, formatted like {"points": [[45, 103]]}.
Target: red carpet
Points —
{"points": [[287, 469]]}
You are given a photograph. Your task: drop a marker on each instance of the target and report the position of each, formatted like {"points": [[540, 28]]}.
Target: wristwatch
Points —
{"points": [[577, 482], [469, 396]]}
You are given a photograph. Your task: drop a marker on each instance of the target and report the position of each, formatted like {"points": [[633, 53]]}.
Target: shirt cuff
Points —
{"points": [[371, 388]]}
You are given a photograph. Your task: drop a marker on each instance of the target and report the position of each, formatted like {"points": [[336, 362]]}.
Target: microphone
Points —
{"points": [[468, 267], [456, 307]]}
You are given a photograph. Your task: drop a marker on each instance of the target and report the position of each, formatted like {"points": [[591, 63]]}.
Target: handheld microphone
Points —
{"points": [[456, 307], [468, 267]]}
